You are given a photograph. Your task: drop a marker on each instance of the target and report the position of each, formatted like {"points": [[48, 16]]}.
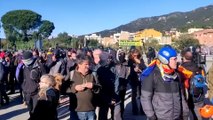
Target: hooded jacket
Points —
{"points": [[31, 75], [106, 75], [162, 100]]}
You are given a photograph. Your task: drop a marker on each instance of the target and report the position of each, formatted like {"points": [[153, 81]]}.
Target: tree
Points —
{"points": [[92, 43], [63, 35], [75, 43], [64, 38], [185, 41], [44, 30], [152, 43], [25, 25], [20, 21]]}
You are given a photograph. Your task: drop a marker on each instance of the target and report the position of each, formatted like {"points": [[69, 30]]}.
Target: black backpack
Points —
{"points": [[31, 80]]}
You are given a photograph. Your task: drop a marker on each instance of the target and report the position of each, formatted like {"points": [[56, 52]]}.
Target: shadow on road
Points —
{"points": [[129, 116], [63, 109], [63, 112], [12, 114], [14, 100]]}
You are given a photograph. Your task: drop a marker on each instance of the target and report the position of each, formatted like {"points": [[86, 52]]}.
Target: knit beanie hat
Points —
{"points": [[27, 58]]}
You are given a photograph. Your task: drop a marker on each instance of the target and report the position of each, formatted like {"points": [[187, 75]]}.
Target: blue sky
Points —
{"points": [[87, 16]]}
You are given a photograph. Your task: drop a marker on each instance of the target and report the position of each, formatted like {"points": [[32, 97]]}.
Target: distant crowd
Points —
{"points": [[97, 80]]}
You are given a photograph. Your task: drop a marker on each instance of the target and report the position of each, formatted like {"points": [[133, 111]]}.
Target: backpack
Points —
{"points": [[197, 85], [32, 75]]}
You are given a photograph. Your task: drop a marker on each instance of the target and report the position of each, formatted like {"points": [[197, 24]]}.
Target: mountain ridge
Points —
{"points": [[199, 17]]}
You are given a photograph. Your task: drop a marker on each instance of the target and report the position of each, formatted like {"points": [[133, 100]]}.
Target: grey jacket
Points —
{"points": [[162, 100], [58, 67]]}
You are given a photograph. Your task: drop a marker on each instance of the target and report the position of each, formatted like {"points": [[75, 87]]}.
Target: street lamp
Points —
{"points": [[71, 42]]}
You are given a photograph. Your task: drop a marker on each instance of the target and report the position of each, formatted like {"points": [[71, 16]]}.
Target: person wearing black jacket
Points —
{"points": [[57, 63], [48, 97], [32, 71], [150, 54], [122, 71], [137, 65], [3, 93], [12, 69], [71, 62], [194, 102], [109, 95]]}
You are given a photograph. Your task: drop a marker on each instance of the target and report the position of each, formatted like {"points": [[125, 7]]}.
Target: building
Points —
{"points": [[123, 35], [165, 40], [116, 37], [148, 34], [126, 35], [107, 41], [93, 37], [191, 30], [173, 33], [205, 37]]}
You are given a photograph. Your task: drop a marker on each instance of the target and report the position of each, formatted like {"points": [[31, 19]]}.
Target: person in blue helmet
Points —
{"points": [[161, 92]]}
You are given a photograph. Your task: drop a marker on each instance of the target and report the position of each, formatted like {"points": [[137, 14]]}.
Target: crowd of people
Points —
{"points": [[97, 80]]}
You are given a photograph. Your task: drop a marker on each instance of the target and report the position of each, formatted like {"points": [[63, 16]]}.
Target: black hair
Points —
{"points": [[81, 58]]}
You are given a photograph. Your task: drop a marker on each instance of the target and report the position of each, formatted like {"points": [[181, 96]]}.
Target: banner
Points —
{"points": [[130, 43]]}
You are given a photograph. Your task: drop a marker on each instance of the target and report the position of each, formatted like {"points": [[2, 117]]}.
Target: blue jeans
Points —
{"points": [[86, 115]]}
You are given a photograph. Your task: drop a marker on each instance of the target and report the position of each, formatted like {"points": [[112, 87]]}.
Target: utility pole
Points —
{"points": [[85, 42], [71, 42], [142, 40]]}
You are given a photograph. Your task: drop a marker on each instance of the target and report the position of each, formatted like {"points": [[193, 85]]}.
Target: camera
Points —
{"points": [[198, 57]]}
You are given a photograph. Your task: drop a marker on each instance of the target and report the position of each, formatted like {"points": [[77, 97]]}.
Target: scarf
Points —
{"points": [[28, 62], [167, 73]]}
